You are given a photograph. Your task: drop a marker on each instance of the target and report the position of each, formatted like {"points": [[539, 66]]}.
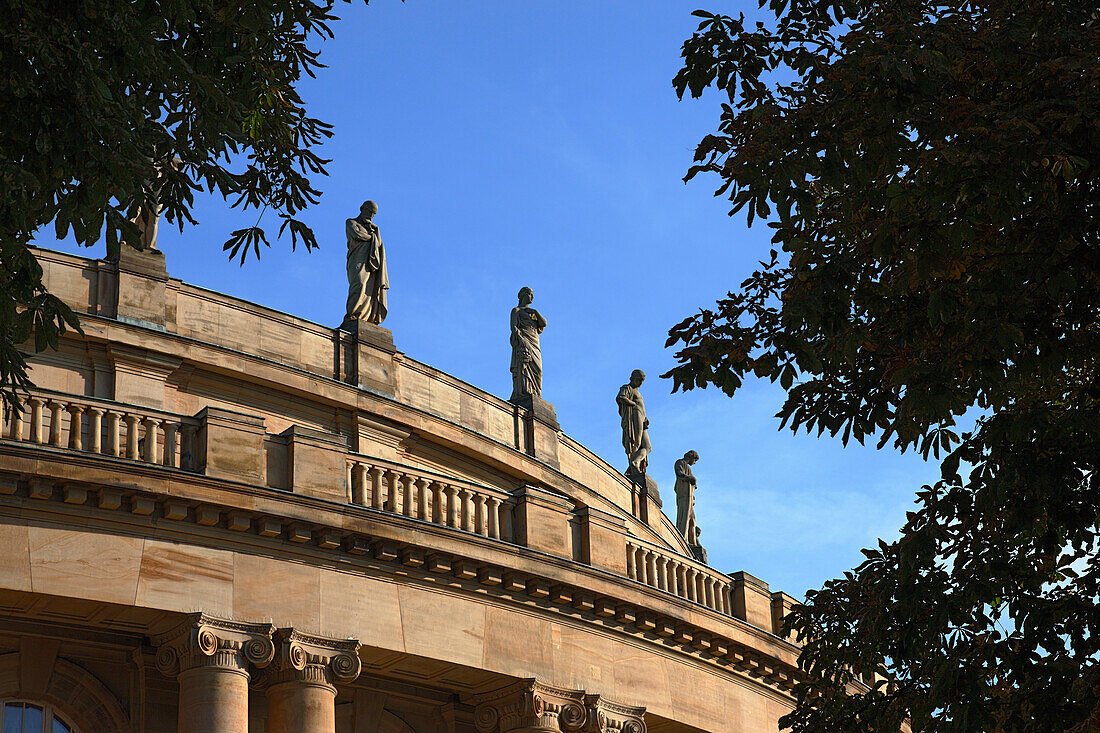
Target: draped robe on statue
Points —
{"points": [[527, 323], [635, 435], [685, 500], [368, 279]]}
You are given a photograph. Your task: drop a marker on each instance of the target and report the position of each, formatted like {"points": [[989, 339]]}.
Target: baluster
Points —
{"points": [[662, 575], [359, 483], [114, 445], [681, 580], [16, 426], [95, 429], [76, 424], [392, 495], [492, 508], [467, 509], [700, 589], [55, 422], [690, 573], [171, 451], [481, 523], [725, 598], [710, 592], [506, 529], [132, 451], [437, 502], [408, 489], [672, 565], [36, 418], [630, 568], [422, 498], [152, 435], [650, 568], [452, 505], [376, 487]]}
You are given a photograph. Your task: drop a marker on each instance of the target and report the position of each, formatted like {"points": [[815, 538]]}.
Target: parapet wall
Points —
{"points": [[207, 365]]}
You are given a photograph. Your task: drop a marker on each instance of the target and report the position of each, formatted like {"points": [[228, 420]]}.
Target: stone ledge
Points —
{"points": [[448, 568]]}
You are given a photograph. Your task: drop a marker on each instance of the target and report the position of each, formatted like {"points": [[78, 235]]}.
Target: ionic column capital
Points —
{"points": [[605, 716], [312, 659], [206, 641], [530, 706]]}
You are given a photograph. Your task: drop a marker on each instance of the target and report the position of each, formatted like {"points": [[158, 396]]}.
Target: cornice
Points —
{"points": [[389, 544]]}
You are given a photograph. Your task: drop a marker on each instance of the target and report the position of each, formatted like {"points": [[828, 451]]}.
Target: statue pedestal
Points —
{"points": [[367, 333], [368, 356], [142, 281], [537, 429], [646, 497]]}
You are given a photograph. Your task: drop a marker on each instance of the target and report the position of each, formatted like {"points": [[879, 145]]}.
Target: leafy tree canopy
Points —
{"points": [[111, 107], [930, 173]]}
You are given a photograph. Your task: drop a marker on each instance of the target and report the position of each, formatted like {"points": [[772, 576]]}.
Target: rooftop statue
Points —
{"points": [[685, 496], [368, 279], [635, 426], [527, 324], [146, 217], [147, 222]]}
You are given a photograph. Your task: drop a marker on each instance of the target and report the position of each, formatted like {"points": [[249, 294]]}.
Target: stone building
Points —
{"points": [[219, 518]]}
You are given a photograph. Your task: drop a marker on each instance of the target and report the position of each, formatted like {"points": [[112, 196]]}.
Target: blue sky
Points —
{"points": [[541, 144]]}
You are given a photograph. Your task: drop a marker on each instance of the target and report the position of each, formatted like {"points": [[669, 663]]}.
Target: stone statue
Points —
{"points": [[685, 496], [147, 222], [635, 425], [368, 279], [527, 324], [147, 218]]}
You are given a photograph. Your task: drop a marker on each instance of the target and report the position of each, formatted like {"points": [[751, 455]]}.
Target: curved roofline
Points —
{"points": [[669, 536]]}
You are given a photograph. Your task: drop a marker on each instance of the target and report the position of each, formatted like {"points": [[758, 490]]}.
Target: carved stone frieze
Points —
{"points": [[605, 716], [312, 659], [206, 641], [530, 706]]}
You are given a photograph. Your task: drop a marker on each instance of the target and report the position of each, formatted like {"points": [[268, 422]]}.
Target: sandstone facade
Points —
{"points": [[218, 517]]}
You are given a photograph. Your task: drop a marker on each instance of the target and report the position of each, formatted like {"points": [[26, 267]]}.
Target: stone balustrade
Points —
{"points": [[398, 489], [226, 444], [102, 427], [661, 569]]}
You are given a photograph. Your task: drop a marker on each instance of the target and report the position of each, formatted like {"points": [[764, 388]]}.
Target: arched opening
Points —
{"points": [[68, 698], [26, 716]]}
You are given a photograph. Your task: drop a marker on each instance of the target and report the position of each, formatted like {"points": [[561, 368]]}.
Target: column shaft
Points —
{"points": [[301, 707], [213, 700]]}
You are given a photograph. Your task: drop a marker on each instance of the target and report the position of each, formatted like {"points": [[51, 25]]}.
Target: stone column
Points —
{"points": [[300, 683], [530, 706], [605, 716], [211, 659]]}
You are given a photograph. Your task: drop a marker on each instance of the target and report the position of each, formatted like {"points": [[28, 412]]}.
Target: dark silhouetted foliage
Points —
{"points": [[930, 173], [112, 105]]}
